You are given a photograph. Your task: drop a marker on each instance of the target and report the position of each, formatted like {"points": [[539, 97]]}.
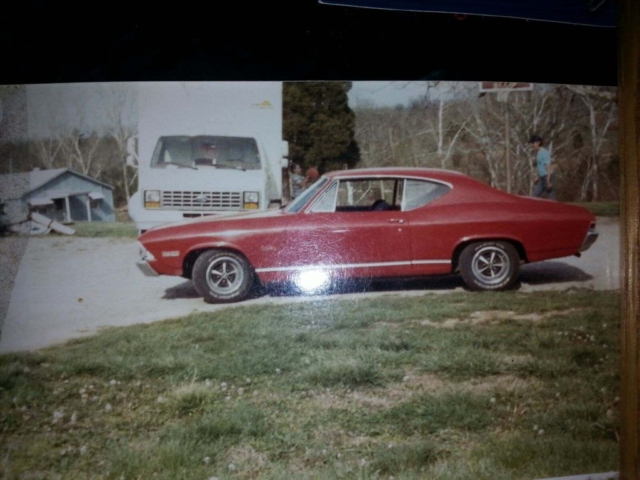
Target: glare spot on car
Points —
{"points": [[312, 281]]}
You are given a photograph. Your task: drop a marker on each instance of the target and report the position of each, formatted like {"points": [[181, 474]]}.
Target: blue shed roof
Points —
{"points": [[16, 185]]}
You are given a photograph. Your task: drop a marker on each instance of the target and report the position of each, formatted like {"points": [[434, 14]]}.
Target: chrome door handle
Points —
{"points": [[396, 220]]}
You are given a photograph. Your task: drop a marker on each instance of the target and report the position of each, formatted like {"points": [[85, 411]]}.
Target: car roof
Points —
{"points": [[432, 173]]}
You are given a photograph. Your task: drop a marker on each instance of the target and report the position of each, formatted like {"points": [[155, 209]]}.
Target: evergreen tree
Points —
{"points": [[319, 125]]}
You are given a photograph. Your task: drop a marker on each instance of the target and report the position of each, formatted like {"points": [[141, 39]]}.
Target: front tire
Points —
{"points": [[222, 276], [490, 265]]}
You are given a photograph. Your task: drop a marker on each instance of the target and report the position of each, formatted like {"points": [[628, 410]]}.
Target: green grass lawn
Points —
{"points": [[461, 386], [105, 229]]}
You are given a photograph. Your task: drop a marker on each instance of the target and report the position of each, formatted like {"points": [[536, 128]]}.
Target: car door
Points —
{"points": [[430, 229], [354, 234]]}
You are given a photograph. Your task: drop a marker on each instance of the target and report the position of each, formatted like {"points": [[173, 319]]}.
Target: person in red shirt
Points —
{"points": [[312, 176]]}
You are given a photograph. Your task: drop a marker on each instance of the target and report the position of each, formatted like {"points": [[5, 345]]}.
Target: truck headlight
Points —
{"points": [[152, 199], [251, 200]]}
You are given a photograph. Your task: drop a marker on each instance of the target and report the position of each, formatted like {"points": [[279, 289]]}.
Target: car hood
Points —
{"points": [[218, 220]]}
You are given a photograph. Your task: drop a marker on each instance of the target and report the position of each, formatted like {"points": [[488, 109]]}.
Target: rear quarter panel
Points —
{"points": [[545, 229]]}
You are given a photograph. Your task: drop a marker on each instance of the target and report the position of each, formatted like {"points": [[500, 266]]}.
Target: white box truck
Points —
{"points": [[207, 148]]}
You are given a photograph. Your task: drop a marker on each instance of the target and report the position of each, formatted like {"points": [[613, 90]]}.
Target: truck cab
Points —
{"points": [[208, 149]]}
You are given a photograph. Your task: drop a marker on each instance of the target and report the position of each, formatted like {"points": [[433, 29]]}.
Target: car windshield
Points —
{"points": [[305, 196], [207, 151]]}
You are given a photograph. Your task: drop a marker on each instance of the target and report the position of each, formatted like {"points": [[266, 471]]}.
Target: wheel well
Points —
{"points": [[458, 250], [191, 257]]}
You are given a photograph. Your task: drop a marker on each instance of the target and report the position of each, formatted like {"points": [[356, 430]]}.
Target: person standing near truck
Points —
{"points": [[312, 176], [544, 181], [297, 180]]}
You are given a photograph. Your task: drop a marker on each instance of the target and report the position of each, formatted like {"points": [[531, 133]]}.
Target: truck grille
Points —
{"points": [[201, 200]]}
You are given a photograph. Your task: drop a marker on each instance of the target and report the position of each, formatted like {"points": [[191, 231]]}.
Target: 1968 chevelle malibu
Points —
{"points": [[371, 223]]}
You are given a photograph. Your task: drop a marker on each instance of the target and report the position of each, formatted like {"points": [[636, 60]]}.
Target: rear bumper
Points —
{"points": [[589, 240]]}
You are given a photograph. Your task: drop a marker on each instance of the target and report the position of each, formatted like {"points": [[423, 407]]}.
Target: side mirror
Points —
{"points": [[285, 148]]}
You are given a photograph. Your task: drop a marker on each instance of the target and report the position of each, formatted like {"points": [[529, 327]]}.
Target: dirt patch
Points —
{"points": [[493, 317], [388, 325], [352, 401], [245, 459], [517, 359], [435, 385], [489, 315], [500, 383], [382, 398], [431, 384], [427, 383]]}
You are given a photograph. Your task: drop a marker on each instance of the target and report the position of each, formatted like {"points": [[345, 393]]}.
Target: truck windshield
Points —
{"points": [[207, 151]]}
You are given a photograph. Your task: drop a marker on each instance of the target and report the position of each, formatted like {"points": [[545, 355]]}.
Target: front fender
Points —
{"points": [[195, 251]]}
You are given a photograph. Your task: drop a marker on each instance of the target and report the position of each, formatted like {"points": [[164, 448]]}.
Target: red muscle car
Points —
{"points": [[371, 223]]}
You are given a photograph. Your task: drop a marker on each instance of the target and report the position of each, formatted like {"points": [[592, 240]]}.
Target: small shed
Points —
{"points": [[60, 194]]}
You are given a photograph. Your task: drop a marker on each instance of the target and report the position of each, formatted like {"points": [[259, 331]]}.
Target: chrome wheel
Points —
{"points": [[224, 276], [491, 265]]}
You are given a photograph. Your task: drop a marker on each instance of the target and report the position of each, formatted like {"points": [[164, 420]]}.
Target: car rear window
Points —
{"points": [[418, 193]]}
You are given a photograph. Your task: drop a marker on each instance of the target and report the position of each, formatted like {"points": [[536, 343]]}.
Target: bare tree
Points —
{"points": [[546, 111], [447, 127], [47, 151], [423, 134], [601, 107], [120, 109], [488, 136], [81, 150], [482, 136]]}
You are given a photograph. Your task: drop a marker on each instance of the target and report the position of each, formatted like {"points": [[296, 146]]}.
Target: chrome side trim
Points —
{"points": [[351, 265]]}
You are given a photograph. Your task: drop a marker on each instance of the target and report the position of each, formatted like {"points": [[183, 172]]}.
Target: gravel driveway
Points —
{"points": [[68, 287]]}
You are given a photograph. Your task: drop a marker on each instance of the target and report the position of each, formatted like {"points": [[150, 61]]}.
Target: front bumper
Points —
{"points": [[145, 268], [143, 263]]}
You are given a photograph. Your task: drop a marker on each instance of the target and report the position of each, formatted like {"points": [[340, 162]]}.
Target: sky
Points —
{"points": [[59, 104], [392, 93], [54, 106]]}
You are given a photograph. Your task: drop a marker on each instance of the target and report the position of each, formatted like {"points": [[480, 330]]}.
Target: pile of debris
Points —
{"points": [[38, 224]]}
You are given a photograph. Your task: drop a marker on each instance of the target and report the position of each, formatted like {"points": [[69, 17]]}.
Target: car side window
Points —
{"points": [[418, 193], [363, 195], [327, 201]]}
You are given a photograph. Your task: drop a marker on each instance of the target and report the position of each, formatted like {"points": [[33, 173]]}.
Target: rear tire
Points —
{"points": [[222, 277], [489, 265]]}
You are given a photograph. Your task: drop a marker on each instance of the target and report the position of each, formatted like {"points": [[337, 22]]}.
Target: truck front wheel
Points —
{"points": [[222, 276]]}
